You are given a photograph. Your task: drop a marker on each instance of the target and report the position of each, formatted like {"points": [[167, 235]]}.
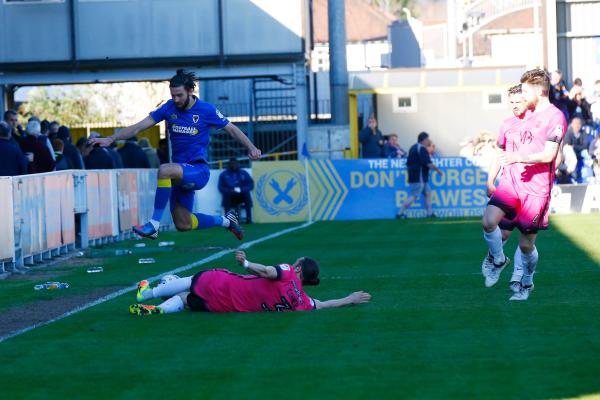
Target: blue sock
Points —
{"points": [[161, 198], [204, 221]]}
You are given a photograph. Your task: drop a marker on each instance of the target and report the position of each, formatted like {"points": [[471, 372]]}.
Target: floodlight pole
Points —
{"points": [[338, 69]]}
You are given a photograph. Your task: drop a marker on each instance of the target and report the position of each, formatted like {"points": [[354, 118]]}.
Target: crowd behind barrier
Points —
{"points": [[50, 214]]}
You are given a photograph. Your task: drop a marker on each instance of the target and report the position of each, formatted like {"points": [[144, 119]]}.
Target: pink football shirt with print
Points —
{"points": [[225, 291], [529, 136]]}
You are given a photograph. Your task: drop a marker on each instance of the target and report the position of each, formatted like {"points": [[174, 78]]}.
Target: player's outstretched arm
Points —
{"points": [[353, 298], [125, 133], [235, 132], [264, 271]]}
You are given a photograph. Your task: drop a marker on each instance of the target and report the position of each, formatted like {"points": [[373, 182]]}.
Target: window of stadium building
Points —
{"points": [[493, 100], [404, 103]]}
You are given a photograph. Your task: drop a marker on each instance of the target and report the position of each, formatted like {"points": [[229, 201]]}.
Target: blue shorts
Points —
{"points": [[195, 177]]}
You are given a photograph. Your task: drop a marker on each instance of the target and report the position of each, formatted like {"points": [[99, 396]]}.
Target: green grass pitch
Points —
{"points": [[431, 330]]}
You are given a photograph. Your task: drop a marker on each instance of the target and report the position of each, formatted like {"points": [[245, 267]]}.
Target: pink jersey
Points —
{"points": [[528, 136], [225, 291]]}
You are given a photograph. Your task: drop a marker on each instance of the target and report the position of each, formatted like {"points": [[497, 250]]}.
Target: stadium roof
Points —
{"points": [[364, 22]]}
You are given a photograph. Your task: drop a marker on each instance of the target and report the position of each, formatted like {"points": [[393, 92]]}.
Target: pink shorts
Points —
{"points": [[526, 212]]}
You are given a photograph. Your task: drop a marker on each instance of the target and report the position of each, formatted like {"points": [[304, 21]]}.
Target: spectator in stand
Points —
{"points": [[559, 94], [133, 156], [567, 170], [371, 140], [235, 185], [392, 149], [70, 151], [98, 157], [163, 151], [150, 153], [579, 107], [54, 128], [42, 137], [594, 101], [576, 138], [11, 118], [42, 159], [62, 162], [13, 160]]}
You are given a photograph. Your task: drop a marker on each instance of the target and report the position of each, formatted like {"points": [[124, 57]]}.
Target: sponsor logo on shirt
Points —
{"points": [[186, 130]]}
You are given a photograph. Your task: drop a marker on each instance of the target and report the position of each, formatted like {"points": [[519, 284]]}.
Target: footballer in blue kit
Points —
{"points": [[189, 121]]}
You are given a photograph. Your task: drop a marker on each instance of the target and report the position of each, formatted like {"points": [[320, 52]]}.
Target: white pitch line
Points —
{"points": [[153, 278]]}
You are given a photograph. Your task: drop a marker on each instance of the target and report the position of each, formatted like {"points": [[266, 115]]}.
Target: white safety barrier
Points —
{"points": [[45, 215], [7, 232]]}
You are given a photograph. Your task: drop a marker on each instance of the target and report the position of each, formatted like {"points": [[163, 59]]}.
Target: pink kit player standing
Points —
{"points": [[523, 196], [268, 288]]}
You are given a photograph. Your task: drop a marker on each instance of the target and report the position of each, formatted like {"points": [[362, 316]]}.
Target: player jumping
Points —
{"points": [[530, 146], [268, 288], [188, 122]]}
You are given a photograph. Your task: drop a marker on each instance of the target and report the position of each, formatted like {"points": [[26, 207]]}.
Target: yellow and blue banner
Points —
{"points": [[362, 189]]}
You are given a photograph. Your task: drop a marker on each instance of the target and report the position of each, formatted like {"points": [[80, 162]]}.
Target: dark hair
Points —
{"points": [[578, 82], [183, 78], [422, 136], [44, 126], [310, 272], [8, 113], [64, 133], [82, 142], [517, 89]]}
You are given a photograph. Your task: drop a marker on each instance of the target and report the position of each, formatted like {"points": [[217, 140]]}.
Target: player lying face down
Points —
{"points": [[266, 288]]}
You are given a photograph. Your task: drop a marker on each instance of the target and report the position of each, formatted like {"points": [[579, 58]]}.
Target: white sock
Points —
{"points": [[518, 266], [173, 305], [155, 223], [494, 241], [225, 223], [529, 263], [172, 287]]}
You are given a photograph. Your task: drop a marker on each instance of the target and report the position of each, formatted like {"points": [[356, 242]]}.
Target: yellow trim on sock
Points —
{"points": [[194, 222], [164, 183]]}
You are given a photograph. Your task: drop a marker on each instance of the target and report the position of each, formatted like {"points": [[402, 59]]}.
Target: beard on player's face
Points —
{"points": [[182, 104], [181, 97]]}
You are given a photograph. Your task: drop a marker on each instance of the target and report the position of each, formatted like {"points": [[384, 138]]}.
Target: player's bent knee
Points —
{"points": [[183, 296], [489, 224], [164, 171]]}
